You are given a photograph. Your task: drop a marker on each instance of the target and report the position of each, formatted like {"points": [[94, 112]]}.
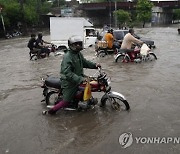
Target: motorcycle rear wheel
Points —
{"points": [[116, 103], [101, 53], [33, 57], [122, 59], [53, 98]]}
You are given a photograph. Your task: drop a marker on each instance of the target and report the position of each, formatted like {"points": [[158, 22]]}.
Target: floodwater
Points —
{"points": [[152, 90]]}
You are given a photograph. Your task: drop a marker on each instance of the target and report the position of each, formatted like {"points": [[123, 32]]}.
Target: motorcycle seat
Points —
{"points": [[53, 82], [34, 51], [125, 50], [110, 50]]}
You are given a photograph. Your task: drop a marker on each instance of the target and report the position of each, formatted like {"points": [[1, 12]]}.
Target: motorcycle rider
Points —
{"points": [[108, 37], [111, 41], [72, 72], [40, 44], [32, 45], [129, 40]]}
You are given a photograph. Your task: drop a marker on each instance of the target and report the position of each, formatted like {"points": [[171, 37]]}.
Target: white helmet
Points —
{"points": [[75, 43]]}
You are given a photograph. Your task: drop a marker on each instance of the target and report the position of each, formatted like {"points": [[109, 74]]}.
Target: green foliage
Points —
{"points": [[30, 15], [58, 3], [11, 12], [24, 11], [100, 1], [45, 7], [122, 17], [143, 9], [176, 13]]}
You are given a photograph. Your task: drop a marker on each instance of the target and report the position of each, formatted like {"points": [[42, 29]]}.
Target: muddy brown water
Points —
{"points": [[152, 90]]}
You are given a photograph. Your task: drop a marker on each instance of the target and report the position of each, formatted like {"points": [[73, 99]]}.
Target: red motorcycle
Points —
{"points": [[138, 54], [53, 93]]}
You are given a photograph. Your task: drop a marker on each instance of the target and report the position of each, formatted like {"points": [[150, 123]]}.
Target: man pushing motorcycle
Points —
{"points": [[72, 72]]}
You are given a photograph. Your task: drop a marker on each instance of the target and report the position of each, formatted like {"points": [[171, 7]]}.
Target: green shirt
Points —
{"points": [[72, 73]]}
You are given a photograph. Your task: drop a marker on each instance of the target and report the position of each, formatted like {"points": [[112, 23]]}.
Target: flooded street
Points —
{"points": [[152, 90]]}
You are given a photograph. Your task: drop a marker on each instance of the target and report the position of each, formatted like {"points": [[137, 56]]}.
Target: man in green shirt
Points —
{"points": [[72, 73]]}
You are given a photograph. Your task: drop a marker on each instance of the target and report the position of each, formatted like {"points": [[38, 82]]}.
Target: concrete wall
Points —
{"points": [[161, 16]]}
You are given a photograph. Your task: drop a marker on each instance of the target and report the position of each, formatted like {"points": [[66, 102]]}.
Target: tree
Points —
{"points": [[122, 17], [176, 14], [27, 12], [11, 13], [99, 1], [143, 9]]}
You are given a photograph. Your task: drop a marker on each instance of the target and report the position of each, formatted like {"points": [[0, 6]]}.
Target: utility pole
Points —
{"points": [[109, 13], [3, 22], [58, 3], [115, 6]]}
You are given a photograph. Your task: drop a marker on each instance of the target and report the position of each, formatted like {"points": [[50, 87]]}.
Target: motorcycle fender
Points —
{"points": [[150, 52], [113, 94], [117, 55]]}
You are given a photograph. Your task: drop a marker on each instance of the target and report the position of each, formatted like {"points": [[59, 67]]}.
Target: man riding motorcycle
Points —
{"points": [[129, 40], [40, 44], [72, 72], [111, 41], [32, 45]]}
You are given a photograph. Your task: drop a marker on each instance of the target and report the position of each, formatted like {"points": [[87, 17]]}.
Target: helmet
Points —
{"points": [[75, 43]]}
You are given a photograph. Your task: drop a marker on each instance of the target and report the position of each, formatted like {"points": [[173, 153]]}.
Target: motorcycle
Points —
{"points": [[138, 54], [52, 48], [102, 49], [52, 92]]}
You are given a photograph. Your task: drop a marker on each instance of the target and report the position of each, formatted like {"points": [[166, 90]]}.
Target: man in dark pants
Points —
{"points": [[40, 44], [32, 45]]}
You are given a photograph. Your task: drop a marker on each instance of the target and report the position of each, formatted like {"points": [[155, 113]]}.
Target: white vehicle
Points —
{"points": [[61, 28]]}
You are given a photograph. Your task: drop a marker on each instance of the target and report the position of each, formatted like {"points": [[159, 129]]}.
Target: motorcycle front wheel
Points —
{"points": [[116, 103], [151, 57], [53, 97]]}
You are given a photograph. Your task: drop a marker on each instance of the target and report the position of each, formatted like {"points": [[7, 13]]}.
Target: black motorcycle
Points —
{"points": [[102, 49], [37, 54]]}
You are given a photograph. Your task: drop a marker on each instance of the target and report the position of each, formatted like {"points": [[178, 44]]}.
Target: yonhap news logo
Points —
{"points": [[126, 140]]}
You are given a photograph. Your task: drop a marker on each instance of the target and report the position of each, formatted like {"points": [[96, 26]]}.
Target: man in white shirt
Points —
{"points": [[129, 39]]}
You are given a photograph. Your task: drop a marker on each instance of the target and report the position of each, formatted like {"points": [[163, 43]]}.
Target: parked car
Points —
{"points": [[119, 35]]}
